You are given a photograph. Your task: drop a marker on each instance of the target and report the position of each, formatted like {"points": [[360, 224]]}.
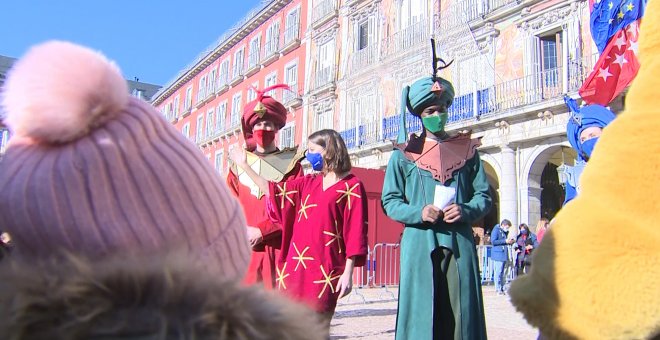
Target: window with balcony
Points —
{"points": [[199, 135], [176, 107], [271, 79], [189, 98], [326, 64], [550, 49], [221, 116], [239, 63], [185, 131], [365, 44], [219, 161], [211, 80], [291, 79], [272, 45], [235, 110], [292, 26], [412, 12], [201, 94], [324, 119], [251, 93], [287, 136], [255, 49], [223, 78], [209, 123]]}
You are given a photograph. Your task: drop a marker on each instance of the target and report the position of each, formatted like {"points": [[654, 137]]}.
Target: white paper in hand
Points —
{"points": [[444, 196]]}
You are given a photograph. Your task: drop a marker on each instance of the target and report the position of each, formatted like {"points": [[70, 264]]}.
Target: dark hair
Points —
{"points": [[336, 157], [505, 222], [524, 226]]}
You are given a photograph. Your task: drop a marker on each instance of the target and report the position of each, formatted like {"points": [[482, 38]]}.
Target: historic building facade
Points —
{"points": [[205, 101], [513, 60]]}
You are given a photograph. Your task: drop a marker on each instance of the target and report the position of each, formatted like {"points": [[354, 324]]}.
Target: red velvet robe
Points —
{"points": [[320, 229], [262, 268]]}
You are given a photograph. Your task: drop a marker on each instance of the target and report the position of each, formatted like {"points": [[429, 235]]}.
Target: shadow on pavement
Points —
{"points": [[364, 312]]}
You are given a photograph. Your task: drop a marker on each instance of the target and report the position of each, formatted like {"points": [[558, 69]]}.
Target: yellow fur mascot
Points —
{"points": [[597, 273]]}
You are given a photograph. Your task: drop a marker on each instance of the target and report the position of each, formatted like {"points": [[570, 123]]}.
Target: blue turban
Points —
{"points": [[582, 118], [418, 96]]}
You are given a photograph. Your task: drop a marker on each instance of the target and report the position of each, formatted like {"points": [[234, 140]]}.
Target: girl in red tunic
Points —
{"points": [[324, 224]]}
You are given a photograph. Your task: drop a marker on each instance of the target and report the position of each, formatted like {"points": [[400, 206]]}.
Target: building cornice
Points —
{"points": [[221, 47]]}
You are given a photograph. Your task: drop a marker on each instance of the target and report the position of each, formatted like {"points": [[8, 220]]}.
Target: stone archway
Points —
{"points": [[544, 192]]}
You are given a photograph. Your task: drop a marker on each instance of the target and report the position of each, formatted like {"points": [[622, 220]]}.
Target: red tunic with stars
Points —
{"points": [[263, 267], [320, 229]]}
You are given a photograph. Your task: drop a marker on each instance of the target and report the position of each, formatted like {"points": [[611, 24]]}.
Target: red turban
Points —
{"points": [[263, 107]]}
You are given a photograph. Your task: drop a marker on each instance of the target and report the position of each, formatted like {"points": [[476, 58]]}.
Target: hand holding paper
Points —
{"points": [[443, 196]]}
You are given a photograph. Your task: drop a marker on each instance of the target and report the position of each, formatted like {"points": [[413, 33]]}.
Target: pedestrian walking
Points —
{"points": [[500, 253]]}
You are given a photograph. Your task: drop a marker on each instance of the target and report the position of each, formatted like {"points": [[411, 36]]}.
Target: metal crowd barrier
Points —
{"points": [[486, 265], [382, 269]]}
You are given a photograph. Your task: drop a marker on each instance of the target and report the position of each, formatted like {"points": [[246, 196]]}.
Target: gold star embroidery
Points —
{"points": [[301, 258], [303, 208], [335, 237], [347, 194], [285, 195], [281, 276], [326, 281], [620, 15], [630, 7]]}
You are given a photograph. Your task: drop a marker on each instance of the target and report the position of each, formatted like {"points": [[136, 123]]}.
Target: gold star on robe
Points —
{"points": [[285, 195], [335, 237], [347, 194], [303, 208], [327, 281], [301, 258], [281, 275]]}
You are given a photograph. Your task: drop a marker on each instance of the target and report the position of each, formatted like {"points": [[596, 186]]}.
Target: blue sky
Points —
{"points": [[152, 40]]}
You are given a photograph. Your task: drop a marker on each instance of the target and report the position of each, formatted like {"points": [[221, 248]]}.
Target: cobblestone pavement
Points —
{"points": [[371, 314]]}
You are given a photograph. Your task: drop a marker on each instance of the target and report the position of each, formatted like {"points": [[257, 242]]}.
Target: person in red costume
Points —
{"points": [[262, 119]]}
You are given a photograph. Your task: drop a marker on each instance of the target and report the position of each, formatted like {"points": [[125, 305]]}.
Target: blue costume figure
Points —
{"points": [[583, 129]]}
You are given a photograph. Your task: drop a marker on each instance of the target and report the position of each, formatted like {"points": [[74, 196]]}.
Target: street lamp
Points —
{"points": [[563, 170]]}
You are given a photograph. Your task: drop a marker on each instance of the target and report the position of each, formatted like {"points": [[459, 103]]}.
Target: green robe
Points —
{"points": [[421, 275]]}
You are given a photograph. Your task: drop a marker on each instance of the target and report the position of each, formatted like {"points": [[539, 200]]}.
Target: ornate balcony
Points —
{"points": [[253, 63], [414, 35], [291, 98], [325, 79], [363, 58], [323, 12], [291, 38], [271, 51]]}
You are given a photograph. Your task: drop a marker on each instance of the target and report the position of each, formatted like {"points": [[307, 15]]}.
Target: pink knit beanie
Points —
{"points": [[93, 171]]}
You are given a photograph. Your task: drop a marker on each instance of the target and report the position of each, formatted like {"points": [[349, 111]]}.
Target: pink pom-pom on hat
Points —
{"points": [[58, 91]]}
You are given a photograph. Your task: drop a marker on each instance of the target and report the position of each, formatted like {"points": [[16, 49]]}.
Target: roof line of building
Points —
{"points": [[217, 48]]}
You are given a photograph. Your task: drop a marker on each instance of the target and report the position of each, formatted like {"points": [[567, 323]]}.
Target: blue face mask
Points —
{"points": [[315, 159], [523, 232], [588, 147]]}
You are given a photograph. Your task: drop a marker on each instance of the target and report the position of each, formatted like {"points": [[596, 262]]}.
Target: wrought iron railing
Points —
{"points": [[292, 32], [324, 76], [323, 9], [363, 58], [407, 38]]}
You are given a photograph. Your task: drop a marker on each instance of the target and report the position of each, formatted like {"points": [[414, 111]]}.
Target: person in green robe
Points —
{"points": [[436, 186]]}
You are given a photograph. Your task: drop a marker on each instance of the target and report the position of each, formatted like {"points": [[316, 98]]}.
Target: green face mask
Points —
{"points": [[435, 123]]}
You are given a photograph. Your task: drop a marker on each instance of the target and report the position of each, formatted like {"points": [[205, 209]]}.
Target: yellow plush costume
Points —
{"points": [[597, 273]]}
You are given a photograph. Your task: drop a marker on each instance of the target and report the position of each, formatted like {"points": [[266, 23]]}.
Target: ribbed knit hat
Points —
{"points": [[92, 171]]}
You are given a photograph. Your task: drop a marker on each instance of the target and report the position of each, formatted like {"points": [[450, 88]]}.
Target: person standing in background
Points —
{"points": [[500, 253]]}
